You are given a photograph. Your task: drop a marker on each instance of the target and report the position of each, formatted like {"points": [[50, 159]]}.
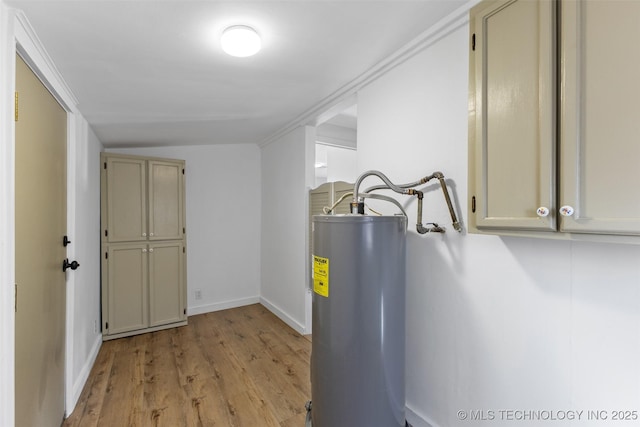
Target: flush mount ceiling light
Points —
{"points": [[240, 41]]}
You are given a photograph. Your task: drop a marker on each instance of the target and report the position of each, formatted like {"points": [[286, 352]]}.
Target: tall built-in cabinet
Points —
{"points": [[553, 123], [143, 244]]}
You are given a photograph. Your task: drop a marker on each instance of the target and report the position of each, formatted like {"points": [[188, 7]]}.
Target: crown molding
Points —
{"points": [[442, 28], [31, 49]]}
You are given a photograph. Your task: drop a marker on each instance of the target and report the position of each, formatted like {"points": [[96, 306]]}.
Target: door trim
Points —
{"points": [[17, 36]]}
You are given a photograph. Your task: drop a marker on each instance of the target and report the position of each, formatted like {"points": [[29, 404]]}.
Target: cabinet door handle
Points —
{"points": [[144, 234], [151, 234], [566, 210], [542, 211], [151, 250], [144, 251]]}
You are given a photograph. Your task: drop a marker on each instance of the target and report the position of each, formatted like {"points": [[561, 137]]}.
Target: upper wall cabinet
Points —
{"points": [[552, 133], [600, 116], [144, 199]]}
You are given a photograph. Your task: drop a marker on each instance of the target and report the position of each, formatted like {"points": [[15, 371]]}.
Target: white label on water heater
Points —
{"points": [[321, 276]]}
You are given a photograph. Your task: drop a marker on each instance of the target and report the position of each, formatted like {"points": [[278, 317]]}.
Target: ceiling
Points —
{"points": [[152, 73]]}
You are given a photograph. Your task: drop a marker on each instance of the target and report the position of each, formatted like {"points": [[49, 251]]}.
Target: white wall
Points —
{"points": [[223, 197], [341, 164], [83, 288], [7, 219], [495, 323], [287, 172]]}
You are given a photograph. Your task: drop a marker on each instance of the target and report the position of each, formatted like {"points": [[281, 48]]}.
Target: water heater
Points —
{"points": [[358, 346]]}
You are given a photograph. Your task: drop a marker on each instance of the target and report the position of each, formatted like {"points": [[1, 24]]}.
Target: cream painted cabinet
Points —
{"points": [[552, 142], [600, 124], [127, 276], [166, 288], [514, 99], [137, 186], [165, 200], [143, 242], [145, 286], [126, 199]]}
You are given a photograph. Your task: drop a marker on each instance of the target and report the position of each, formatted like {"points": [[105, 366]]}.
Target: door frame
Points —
{"points": [[17, 36]]}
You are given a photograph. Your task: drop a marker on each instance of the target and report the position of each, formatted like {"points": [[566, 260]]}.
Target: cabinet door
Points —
{"points": [[166, 283], [514, 140], [127, 287], [126, 200], [600, 125], [165, 200]]}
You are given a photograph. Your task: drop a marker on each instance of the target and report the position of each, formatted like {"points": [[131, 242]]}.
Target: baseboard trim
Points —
{"points": [[297, 326], [208, 308], [80, 382]]}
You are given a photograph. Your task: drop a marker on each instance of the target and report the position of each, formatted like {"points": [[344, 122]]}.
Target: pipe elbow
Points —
{"points": [[414, 192]]}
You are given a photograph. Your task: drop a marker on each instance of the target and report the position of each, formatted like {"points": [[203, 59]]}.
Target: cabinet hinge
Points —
{"points": [[106, 233], [16, 106], [184, 250], [473, 204], [106, 325], [15, 302], [473, 42], [105, 165], [184, 311], [184, 230], [182, 171], [106, 255]]}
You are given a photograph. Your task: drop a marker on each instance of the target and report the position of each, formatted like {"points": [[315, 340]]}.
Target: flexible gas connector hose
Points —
{"points": [[357, 205], [328, 210]]}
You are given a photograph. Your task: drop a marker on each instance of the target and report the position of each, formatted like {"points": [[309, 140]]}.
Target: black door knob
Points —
{"points": [[72, 265]]}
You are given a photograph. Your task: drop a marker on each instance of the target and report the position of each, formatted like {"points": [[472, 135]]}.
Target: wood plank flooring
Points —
{"points": [[234, 368]]}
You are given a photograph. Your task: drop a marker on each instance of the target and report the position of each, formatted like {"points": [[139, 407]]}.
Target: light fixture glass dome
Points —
{"points": [[241, 41]]}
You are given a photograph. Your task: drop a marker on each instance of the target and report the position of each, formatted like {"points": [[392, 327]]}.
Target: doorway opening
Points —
{"points": [[336, 147]]}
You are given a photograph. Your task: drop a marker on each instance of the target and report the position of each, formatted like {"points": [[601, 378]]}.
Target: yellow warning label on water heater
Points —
{"points": [[321, 276]]}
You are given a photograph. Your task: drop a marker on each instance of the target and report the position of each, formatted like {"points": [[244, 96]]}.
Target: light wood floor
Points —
{"points": [[238, 367]]}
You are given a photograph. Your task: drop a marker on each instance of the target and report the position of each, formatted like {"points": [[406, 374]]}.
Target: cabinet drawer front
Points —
{"points": [[600, 121], [515, 114]]}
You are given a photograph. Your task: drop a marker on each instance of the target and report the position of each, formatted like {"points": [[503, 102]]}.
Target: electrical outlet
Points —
{"points": [[198, 294]]}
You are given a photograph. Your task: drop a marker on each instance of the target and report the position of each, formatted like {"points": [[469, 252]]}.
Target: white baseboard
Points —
{"points": [[208, 308], [79, 383], [283, 316], [417, 420]]}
